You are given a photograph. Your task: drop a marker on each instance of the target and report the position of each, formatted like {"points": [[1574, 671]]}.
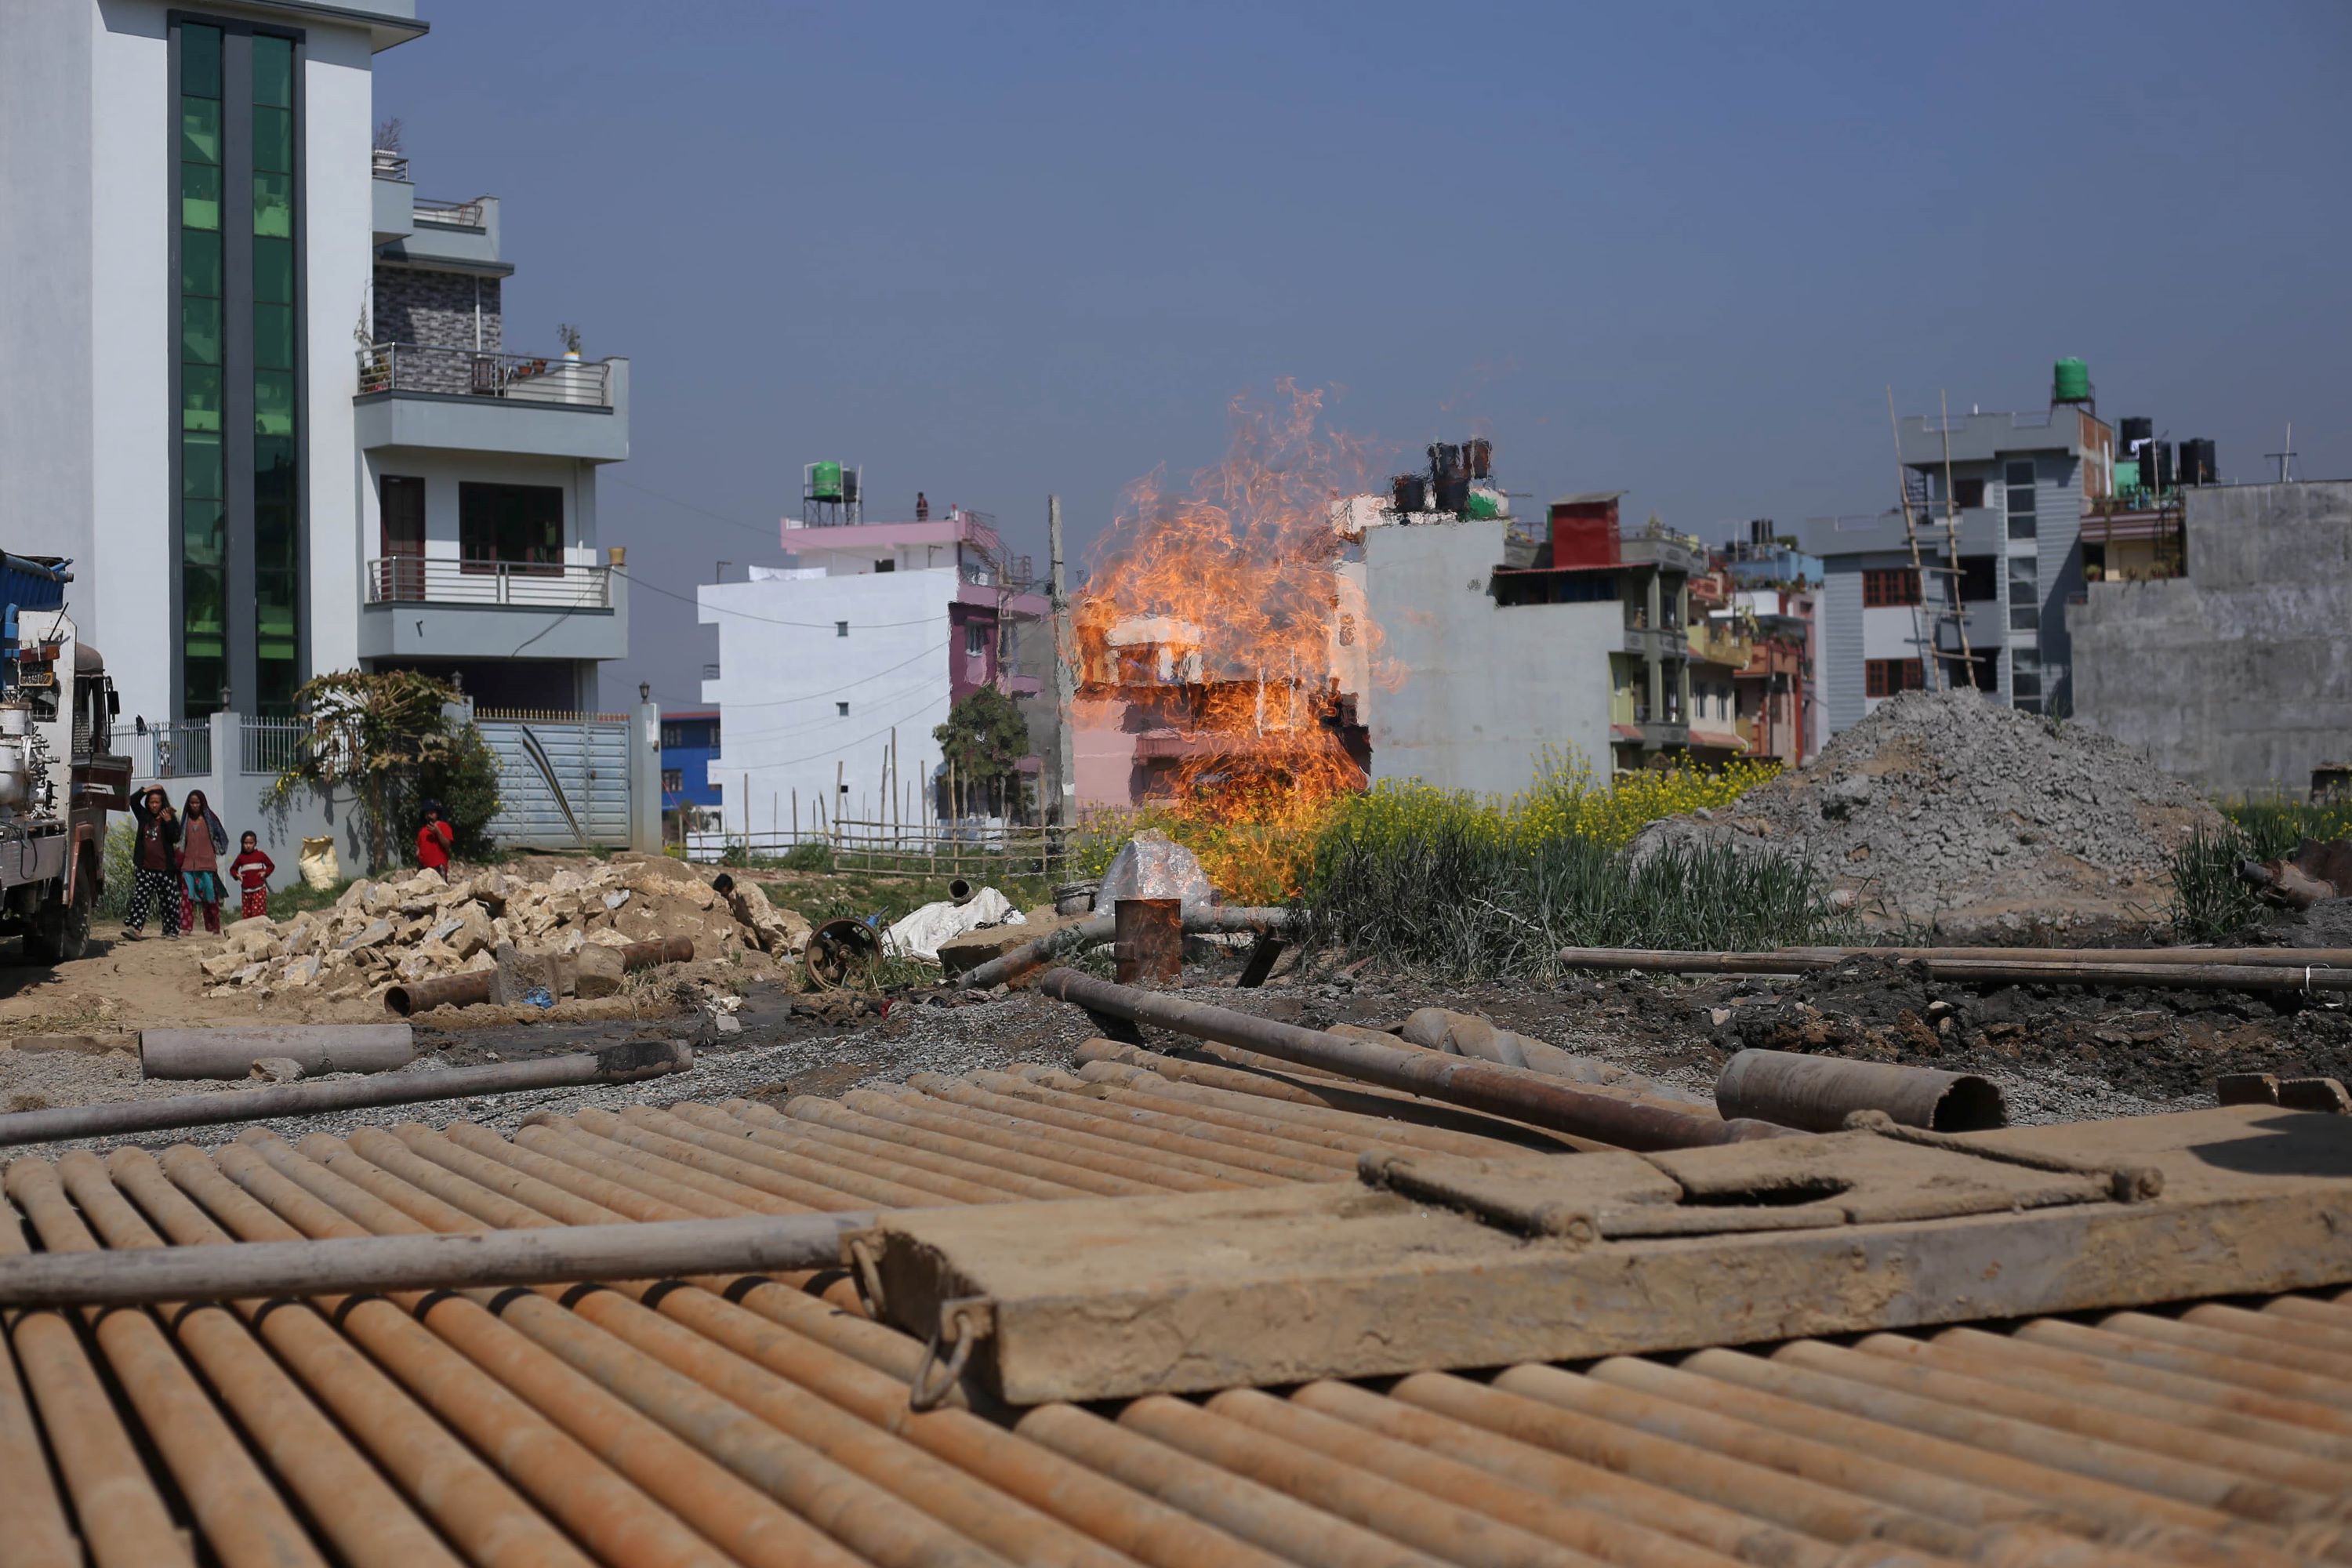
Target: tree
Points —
{"points": [[984, 739], [388, 737]]}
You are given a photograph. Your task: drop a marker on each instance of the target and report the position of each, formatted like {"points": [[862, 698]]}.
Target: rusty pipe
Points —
{"points": [[473, 988], [826, 1145], [959, 1142], [1148, 941], [362, 1517], [482, 1516], [1816, 1094], [815, 1182], [1023, 1099], [619, 1064], [32, 1513], [914, 1109], [2053, 966], [1232, 1148], [1031, 956], [1480, 1086], [237, 1511]]}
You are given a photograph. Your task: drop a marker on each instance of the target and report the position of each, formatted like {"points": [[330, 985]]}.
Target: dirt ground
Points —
{"points": [[2059, 1052]]}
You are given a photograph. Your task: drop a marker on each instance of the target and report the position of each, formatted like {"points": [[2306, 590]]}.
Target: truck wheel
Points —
{"points": [[61, 932]]}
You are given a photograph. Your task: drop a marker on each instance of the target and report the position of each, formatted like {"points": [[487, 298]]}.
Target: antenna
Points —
{"points": [[2286, 460]]}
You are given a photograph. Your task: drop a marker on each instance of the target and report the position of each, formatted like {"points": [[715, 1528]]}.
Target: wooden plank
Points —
{"points": [[1098, 1298]]}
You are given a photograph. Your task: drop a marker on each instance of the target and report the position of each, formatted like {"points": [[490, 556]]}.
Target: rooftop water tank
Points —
{"points": [[824, 481], [2070, 381]]}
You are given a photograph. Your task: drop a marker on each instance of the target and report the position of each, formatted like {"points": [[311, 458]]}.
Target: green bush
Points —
{"points": [[121, 841], [2210, 904]]}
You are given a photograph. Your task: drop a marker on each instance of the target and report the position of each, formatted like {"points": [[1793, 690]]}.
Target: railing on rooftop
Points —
{"points": [[1013, 573], [266, 747], [388, 164], [469, 372], [184, 748], [448, 214], [429, 580], [2022, 419]]}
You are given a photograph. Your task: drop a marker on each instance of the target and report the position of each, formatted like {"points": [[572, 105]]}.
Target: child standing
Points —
{"points": [[154, 858], [433, 838], [252, 869], [203, 841]]}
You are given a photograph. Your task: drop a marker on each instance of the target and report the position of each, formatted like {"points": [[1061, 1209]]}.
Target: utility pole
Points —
{"points": [[1065, 674]]}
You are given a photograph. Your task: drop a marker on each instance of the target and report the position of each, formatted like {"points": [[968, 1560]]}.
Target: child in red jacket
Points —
{"points": [[434, 840], [252, 869]]}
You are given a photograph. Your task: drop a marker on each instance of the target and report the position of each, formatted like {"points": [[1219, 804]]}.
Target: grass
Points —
{"points": [[2210, 904], [1456, 886]]}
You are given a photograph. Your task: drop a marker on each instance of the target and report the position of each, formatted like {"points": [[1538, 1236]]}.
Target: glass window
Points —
{"points": [[273, 139], [841, 628], [515, 526], [199, 196], [200, 331], [273, 403], [200, 54], [200, 466], [200, 397], [403, 515], [273, 270], [203, 534], [673, 781], [200, 263], [273, 71], [2020, 499], [975, 641], [273, 205], [200, 130], [841, 709], [273, 337]]}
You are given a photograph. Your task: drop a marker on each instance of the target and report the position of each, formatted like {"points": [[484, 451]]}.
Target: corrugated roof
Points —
{"points": [[748, 1421]]}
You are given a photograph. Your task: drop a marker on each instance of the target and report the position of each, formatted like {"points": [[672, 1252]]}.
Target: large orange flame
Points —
{"points": [[1220, 619]]}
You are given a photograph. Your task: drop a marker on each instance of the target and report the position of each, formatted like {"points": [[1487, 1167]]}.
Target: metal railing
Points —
{"points": [[267, 747], [517, 378], [418, 579], [184, 748], [1014, 574], [449, 215], [386, 163]]}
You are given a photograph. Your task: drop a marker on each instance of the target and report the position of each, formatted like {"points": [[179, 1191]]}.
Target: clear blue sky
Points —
{"points": [[995, 251]]}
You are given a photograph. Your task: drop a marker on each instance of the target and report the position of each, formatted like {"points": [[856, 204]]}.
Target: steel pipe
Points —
{"points": [[1481, 1086], [230, 1051], [621, 1064], [1816, 1094], [643, 1250], [1008, 967], [1148, 941], [474, 987], [2294, 970]]}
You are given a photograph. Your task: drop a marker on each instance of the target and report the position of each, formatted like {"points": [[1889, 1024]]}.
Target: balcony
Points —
{"points": [[424, 394], [417, 605]]}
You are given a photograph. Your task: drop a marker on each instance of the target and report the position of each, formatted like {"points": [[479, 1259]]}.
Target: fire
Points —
{"points": [[1218, 627]]}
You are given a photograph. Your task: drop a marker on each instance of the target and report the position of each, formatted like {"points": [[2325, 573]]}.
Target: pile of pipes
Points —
{"points": [[2180, 968]]}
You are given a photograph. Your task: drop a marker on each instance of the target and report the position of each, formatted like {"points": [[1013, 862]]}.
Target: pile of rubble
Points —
{"points": [[419, 926], [1949, 810]]}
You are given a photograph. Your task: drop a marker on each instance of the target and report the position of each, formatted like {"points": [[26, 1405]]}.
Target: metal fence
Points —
{"points": [[459, 372], [556, 585], [184, 748], [267, 747], [451, 215], [563, 778], [980, 849]]}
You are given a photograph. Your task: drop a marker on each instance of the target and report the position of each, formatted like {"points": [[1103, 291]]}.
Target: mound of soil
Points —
{"points": [[1946, 810]]}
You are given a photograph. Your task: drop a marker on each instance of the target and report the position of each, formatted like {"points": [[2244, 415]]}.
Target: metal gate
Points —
{"points": [[563, 778]]}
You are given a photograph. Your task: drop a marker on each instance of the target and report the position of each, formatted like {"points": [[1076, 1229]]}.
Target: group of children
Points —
{"points": [[175, 862], [176, 865]]}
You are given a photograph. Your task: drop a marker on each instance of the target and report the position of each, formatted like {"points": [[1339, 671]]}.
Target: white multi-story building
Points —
{"points": [[870, 636], [256, 388]]}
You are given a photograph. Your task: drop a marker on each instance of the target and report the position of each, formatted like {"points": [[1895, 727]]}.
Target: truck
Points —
{"points": [[59, 773]]}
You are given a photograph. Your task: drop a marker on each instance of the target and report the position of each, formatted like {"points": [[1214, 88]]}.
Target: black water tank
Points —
{"points": [[2162, 469], [2198, 465], [1761, 530], [1408, 493], [2129, 430], [1480, 453]]}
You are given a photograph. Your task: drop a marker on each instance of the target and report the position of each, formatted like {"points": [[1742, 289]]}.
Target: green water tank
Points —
{"points": [[2126, 474], [824, 481], [2071, 381]]}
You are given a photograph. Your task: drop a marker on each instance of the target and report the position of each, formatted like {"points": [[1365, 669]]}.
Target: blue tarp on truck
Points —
{"points": [[33, 582]]}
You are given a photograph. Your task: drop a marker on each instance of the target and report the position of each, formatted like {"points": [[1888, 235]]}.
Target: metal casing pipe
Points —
{"points": [[1148, 945], [1512, 1092], [1817, 1094], [230, 1052]]}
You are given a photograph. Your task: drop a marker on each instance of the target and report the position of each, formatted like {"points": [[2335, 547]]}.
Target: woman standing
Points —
{"points": [[154, 858], [203, 841]]}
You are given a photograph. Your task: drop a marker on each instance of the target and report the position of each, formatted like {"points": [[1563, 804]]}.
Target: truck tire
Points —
{"points": [[61, 931]]}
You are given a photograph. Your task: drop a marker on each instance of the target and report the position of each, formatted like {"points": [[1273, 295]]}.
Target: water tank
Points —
{"points": [[2198, 465], [824, 481], [2162, 480], [2129, 429], [1762, 532], [850, 486], [2070, 381], [2126, 474], [1479, 452], [1408, 493]]}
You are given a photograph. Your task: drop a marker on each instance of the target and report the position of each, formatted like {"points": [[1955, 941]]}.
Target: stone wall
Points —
{"points": [[2237, 677], [436, 311]]}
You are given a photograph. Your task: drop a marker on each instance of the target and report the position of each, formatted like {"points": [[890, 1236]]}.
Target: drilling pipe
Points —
{"points": [[1512, 1092], [1006, 967]]}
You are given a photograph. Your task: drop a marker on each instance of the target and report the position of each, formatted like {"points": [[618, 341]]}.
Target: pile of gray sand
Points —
{"points": [[1949, 810]]}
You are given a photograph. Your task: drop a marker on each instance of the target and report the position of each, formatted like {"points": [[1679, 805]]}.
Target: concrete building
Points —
{"points": [[872, 633], [2237, 676], [2020, 484], [689, 739], [258, 394]]}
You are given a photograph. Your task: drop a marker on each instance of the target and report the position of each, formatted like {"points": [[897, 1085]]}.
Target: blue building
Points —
{"points": [[689, 742]]}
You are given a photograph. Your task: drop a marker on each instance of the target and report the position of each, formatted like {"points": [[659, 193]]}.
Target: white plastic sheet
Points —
{"points": [[920, 934]]}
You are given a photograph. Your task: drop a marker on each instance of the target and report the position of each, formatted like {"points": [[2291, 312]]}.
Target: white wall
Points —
{"points": [[783, 668], [339, 229], [1485, 689]]}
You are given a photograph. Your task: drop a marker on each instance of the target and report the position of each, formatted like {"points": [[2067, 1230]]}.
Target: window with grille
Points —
{"points": [[2021, 504], [1887, 587], [1886, 677]]}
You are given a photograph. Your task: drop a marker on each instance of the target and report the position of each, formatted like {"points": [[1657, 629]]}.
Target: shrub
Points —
{"points": [[2210, 904]]}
